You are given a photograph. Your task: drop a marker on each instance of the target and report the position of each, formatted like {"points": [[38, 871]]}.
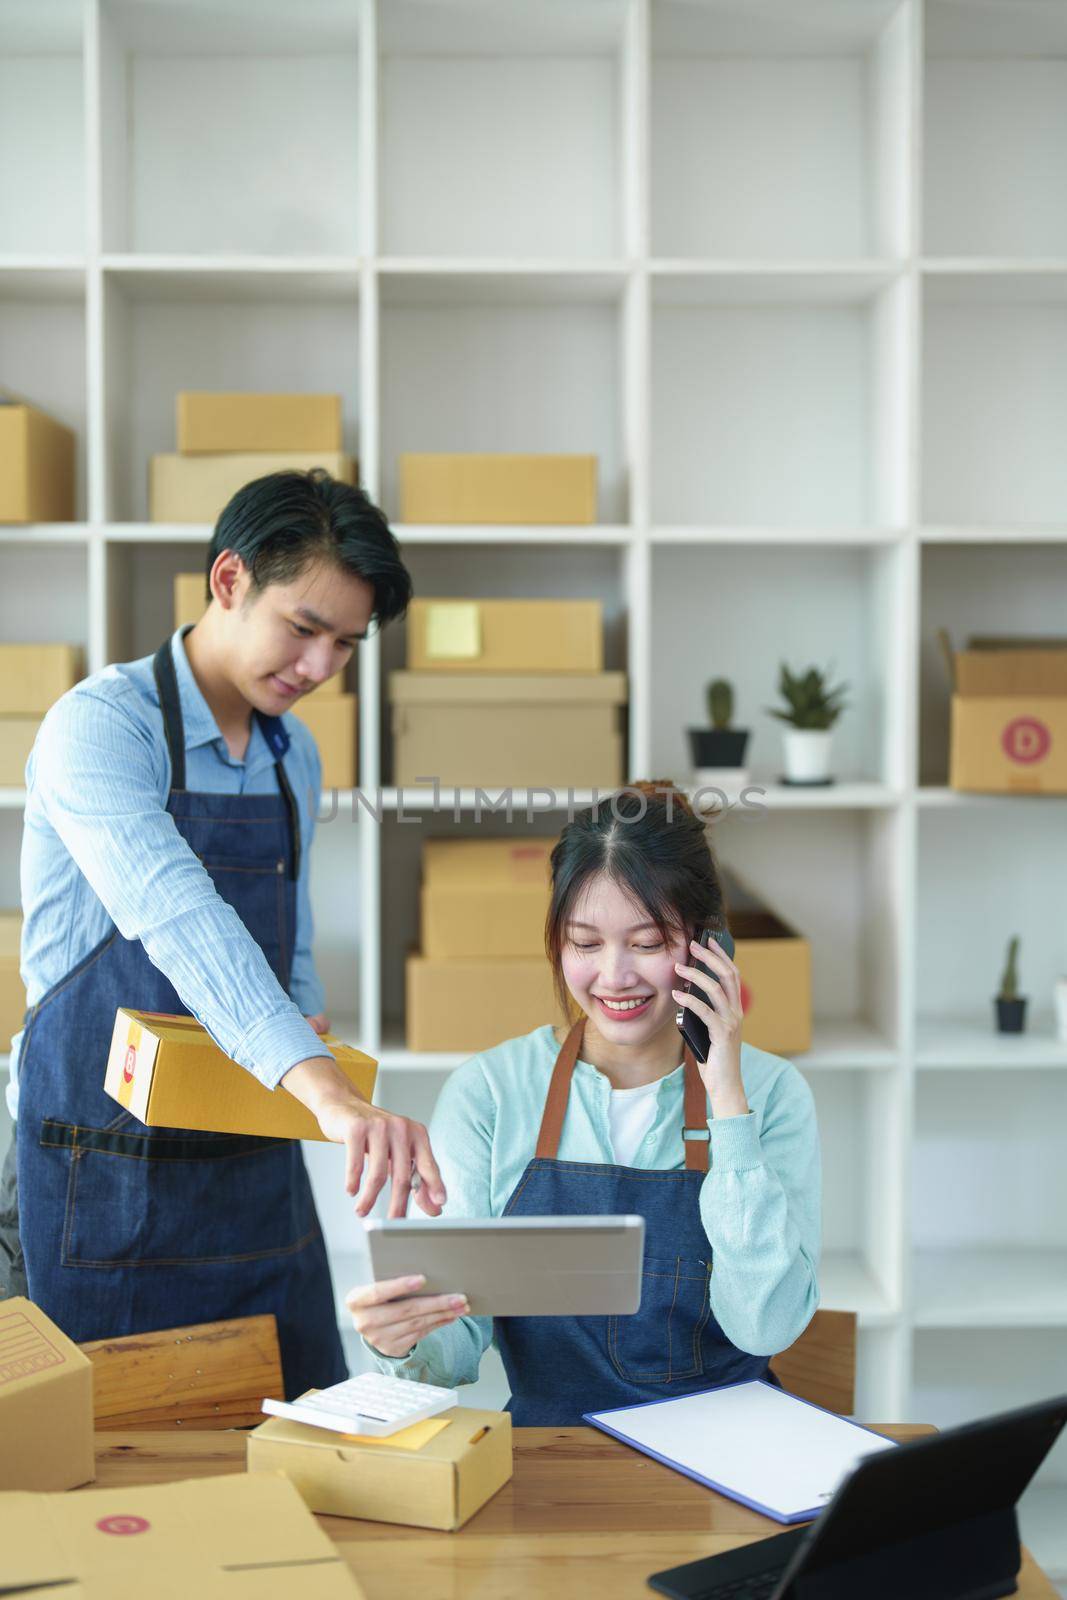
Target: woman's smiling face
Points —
{"points": [[617, 965]]}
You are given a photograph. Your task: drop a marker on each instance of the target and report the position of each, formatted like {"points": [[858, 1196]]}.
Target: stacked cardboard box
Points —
{"points": [[524, 489], [12, 993], [482, 975], [507, 693], [226, 440], [330, 713], [36, 465], [32, 678]]}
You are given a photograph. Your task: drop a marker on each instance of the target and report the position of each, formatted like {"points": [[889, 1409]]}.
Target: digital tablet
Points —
{"points": [[518, 1266]]}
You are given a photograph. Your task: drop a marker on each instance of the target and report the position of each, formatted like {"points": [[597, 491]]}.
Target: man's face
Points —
{"points": [[288, 638]]}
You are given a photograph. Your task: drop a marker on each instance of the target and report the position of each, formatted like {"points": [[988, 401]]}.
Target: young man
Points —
{"points": [[169, 812]]}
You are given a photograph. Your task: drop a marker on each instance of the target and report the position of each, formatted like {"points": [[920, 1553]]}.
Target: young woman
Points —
{"points": [[722, 1161]]}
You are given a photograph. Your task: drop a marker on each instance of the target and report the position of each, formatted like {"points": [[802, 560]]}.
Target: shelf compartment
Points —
{"points": [[963, 1044], [45, 601], [994, 398], [450, 366], [832, 876], [980, 880], [42, 358], [975, 1288], [42, 117], [774, 133], [780, 400], [817, 604], [271, 161], [988, 1173], [591, 572], [974, 589], [167, 331], [995, 130], [525, 103]]}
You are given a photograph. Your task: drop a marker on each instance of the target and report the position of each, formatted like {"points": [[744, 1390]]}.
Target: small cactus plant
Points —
{"points": [[810, 703], [720, 703], [1009, 980]]}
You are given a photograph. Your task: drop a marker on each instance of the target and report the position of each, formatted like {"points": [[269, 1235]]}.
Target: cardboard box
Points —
{"points": [[472, 1004], [439, 1485], [775, 966], [33, 676], [12, 992], [190, 598], [17, 735], [170, 1073], [196, 488], [216, 423], [332, 721], [36, 465], [561, 731], [498, 489], [220, 1538], [505, 636], [485, 897], [46, 1406], [1008, 720]]}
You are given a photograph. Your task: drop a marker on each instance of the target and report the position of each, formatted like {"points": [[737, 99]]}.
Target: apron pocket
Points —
{"points": [[662, 1341], [132, 1197]]}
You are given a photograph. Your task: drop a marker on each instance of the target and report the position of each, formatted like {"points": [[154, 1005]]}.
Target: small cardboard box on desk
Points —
{"points": [[170, 1073], [213, 1538], [46, 1407], [435, 1474]]}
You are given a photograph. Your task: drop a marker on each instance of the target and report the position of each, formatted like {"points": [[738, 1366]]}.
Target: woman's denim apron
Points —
{"points": [[559, 1367], [125, 1228]]}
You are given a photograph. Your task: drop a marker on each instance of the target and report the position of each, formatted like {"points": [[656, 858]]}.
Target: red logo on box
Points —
{"points": [[123, 1525], [129, 1063], [1025, 739]]}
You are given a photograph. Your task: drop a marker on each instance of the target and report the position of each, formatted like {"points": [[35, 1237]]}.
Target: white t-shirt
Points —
{"points": [[631, 1114]]}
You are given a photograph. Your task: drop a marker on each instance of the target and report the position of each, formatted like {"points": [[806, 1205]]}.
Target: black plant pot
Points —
{"points": [[718, 747], [1011, 1015]]}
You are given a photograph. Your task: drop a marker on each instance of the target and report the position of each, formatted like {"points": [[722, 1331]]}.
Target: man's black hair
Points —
{"points": [[280, 524]]}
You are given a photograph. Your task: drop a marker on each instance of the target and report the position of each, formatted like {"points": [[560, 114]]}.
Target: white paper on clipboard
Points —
{"points": [[752, 1442]]}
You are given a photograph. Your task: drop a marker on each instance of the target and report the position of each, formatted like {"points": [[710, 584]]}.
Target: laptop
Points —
{"points": [[932, 1520]]}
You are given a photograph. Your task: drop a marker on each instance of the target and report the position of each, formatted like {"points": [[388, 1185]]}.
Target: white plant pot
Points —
{"points": [[807, 754]]}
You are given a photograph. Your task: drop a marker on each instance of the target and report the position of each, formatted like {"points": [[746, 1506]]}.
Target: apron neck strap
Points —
{"points": [[695, 1132], [174, 731], [171, 706]]}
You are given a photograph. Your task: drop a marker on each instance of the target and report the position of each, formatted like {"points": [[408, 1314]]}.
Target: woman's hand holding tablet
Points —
{"points": [[393, 1315]]}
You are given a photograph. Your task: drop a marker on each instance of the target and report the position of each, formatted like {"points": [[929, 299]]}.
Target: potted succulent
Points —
{"points": [[1010, 1004], [811, 709], [718, 752]]}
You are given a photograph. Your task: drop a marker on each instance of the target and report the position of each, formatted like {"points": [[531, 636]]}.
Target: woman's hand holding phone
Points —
{"points": [[393, 1316], [715, 997]]}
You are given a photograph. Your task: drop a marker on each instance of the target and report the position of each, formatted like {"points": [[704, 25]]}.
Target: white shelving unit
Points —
{"points": [[796, 271]]}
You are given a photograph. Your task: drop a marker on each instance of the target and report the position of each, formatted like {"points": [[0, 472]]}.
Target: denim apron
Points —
{"points": [[128, 1229], [559, 1367]]}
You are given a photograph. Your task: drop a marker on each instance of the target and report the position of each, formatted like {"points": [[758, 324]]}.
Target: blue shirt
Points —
{"points": [[97, 831], [760, 1203]]}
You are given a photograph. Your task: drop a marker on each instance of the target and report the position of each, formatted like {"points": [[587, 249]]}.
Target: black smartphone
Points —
{"points": [[693, 1029]]}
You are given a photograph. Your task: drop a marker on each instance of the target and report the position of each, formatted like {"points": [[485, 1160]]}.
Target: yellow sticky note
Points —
{"points": [[413, 1438], [454, 631]]}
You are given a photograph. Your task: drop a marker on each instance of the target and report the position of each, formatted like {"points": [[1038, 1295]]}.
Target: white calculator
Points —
{"points": [[371, 1404]]}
